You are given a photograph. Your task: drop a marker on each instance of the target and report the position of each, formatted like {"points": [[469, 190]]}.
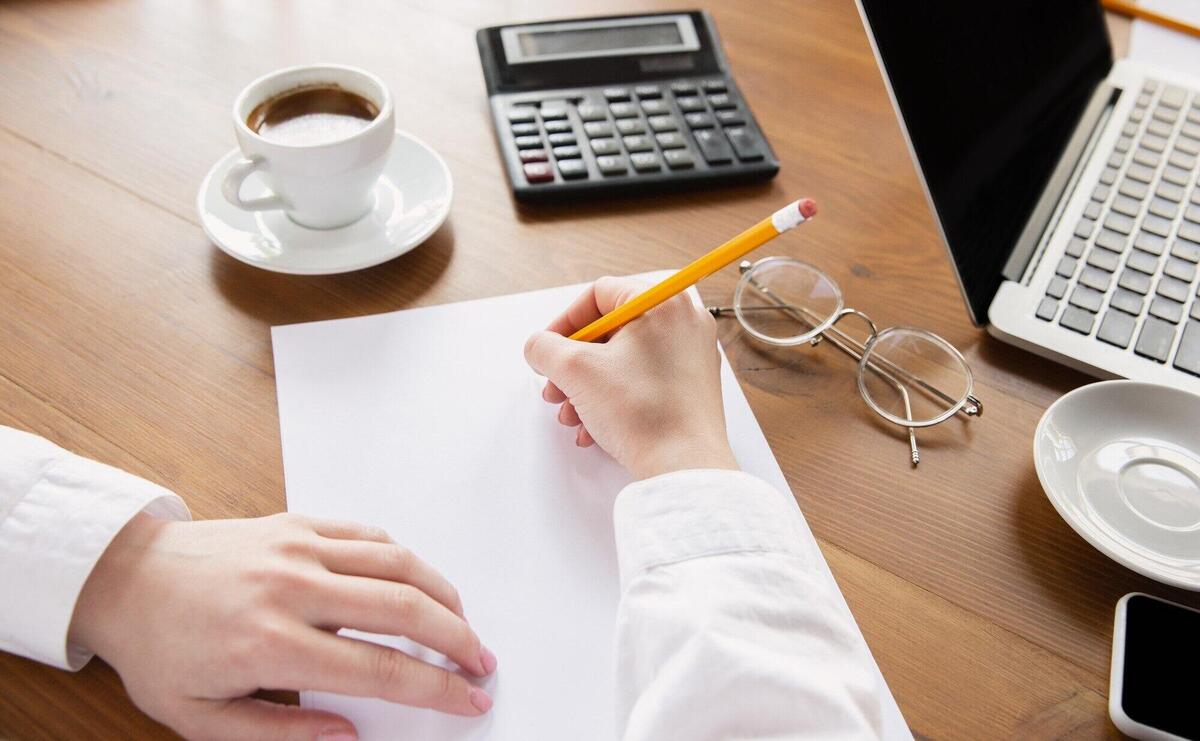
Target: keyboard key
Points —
{"points": [[1151, 243], [1132, 280], [1173, 97], [670, 140], [655, 107], [1101, 193], [1189, 231], [1104, 259], [538, 172], [1169, 192], [1187, 145], [1155, 340], [623, 110], [1066, 266], [1156, 225], [1116, 329], [1147, 158], [730, 118], [605, 146], [1195, 312], [1047, 309], [1187, 357], [1181, 269], [1191, 129], [1126, 205], [746, 144], [561, 139], [645, 161], [1057, 287], [1153, 142], [1087, 298], [522, 114], [1186, 250], [612, 164], [594, 130], [1127, 301], [1162, 113], [699, 120], [638, 143], [559, 126], [1123, 144], [1143, 262], [1109, 176], [1118, 223], [713, 146], [1192, 213], [1182, 160], [1077, 319], [1134, 188], [1076, 246], [1092, 210], [631, 126], [1172, 288], [1144, 99], [528, 142], [569, 152], [1085, 227], [532, 155], [1166, 309], [1140, 173], [524, 129], [690, 104], [1096, 278], [1130, 129], [1111, 240], [721, 101], [678, 159], [663, 123], [1137, 114], [1116, 159], [1175, 175], [648, 91], [591, 112], [613, 94], [572, 169]]}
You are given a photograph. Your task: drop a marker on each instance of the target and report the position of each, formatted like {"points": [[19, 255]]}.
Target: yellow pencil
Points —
{"points": [[1134, 11], [789, 217]]}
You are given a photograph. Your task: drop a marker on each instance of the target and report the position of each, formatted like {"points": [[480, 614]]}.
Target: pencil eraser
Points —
{"points": [[808, 207]]}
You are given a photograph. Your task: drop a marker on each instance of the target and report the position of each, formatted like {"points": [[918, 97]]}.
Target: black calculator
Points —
{"points": [[619, 104]]}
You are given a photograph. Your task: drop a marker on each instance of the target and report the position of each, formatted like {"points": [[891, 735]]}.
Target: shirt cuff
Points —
{"points": [[51, 540], [692, 514]]}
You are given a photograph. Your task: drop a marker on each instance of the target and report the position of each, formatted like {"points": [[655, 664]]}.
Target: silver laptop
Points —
{"points": [[1064, 185]]}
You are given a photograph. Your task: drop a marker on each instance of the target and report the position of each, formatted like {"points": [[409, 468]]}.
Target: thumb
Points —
{"points": [[549, 353], [250, 718]]}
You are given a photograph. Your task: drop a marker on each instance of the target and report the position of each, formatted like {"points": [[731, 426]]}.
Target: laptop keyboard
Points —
{"points": [[1128, 277]]}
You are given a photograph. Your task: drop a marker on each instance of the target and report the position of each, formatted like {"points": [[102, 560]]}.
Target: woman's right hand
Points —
{"points": [[651, 395]]}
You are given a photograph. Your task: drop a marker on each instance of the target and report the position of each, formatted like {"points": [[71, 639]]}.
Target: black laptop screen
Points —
{"points": [[990, 93]]}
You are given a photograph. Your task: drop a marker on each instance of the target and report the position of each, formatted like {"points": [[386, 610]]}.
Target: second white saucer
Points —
{"points": [[412, 200]]}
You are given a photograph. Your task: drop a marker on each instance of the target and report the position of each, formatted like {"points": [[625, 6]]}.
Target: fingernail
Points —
{"points": [[481, 700], [337, 734], [487, 659]]}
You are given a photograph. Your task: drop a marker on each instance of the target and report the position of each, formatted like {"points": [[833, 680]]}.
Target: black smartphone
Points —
{"points": [[1155, 685]]}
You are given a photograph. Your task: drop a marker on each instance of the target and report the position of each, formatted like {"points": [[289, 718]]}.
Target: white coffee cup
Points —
{"points": [[324, 185]]}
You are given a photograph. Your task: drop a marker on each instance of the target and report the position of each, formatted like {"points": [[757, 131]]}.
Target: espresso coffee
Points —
{"points": [[316, 114]]}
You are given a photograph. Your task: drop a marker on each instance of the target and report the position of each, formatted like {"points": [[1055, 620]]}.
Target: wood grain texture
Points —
{"points": [[125, 335]]}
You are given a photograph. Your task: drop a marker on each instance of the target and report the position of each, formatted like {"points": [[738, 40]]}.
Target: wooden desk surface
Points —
{"points": [[126, 336]]}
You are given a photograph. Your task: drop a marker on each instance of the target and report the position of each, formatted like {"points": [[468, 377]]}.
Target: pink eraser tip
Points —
{"points": [[808, 207]]}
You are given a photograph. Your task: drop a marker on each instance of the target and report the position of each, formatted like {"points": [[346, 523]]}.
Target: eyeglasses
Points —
{"points": [[908, 376]]}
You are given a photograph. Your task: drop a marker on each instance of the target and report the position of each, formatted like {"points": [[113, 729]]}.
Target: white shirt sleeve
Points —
{"points": [[730, 624], [58, 513]]}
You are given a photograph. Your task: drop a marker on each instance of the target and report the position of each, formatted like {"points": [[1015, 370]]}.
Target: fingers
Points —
{"points": [[567, 415], [342, 530], [250, 718], [597, 300], [333, 663], [550, 354], [391, 562], [553, 394], [378, 606], [583, 438]]}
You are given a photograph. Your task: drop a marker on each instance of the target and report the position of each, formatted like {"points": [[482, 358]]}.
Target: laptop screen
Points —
{"points": [[989, 93]]}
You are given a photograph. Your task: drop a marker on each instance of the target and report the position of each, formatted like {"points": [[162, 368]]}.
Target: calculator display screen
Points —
{"points": [[542, 42]]}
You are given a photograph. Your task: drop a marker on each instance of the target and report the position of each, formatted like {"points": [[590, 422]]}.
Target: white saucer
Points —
{"points": [[412, 199], [1120, 461]]}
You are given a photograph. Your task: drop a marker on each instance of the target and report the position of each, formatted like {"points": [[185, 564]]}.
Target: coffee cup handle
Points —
{"points": [[232, 187]]}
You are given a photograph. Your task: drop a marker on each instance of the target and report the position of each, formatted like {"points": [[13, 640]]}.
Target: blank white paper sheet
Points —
{"points": [[428, 423]]}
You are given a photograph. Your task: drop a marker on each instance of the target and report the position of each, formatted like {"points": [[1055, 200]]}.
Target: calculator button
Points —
{"points": [[623, 110], [538, 172], [670, 140], [690, 103], [699, 120], [553, 111], [611, 164], [714, 146], [683, 88], [714, 86], [655, 107], [745, 143], [598, 128], [631, 126], [567, 153], [605, 146], [528, 142], [638, 143], [571, 169], [555, 127], [645, 161], [533, 155], [591, 112], [648, 91], [559, 140], [721, 101], [522, 114], [730, 118], [524, 129], [678, 159], [612, 94], [663, 123]]}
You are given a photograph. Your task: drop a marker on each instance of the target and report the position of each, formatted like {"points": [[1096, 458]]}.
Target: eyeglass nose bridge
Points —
{"points": [[873, 330]]}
